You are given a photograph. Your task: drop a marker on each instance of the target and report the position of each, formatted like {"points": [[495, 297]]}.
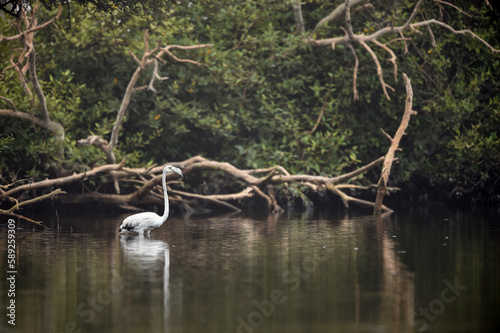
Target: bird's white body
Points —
{"points": [[143, 223]]}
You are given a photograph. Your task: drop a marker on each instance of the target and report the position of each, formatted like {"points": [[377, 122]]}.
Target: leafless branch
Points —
{"points": [[355, 94], [389, 157], [348, 19], [335, 14], [379, 70], [392, 59], [453, 6], [10, 102], [34, 28], [191, 47]]}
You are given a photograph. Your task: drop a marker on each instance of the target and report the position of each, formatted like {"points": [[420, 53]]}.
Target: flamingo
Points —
{"points": [[143, 223]]}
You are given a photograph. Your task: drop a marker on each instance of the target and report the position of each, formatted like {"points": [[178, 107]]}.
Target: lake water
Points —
{"points": [[420, 269]]}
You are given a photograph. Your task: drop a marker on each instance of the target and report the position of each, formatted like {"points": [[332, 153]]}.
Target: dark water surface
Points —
{"points": [[421, 269]]}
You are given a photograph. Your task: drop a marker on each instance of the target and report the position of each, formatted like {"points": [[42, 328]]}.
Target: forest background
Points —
{"points": [[261, 86]]}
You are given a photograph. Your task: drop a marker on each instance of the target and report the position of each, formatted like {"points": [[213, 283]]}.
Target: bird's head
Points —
{"points": [[172, 169]]}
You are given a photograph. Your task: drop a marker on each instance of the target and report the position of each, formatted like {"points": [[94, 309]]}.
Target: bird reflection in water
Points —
{"points": [[147, 262]]}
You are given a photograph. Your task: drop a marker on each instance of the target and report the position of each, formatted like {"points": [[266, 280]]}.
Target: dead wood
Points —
{"points": [[146, 186], [389, 157], [350, 38]]}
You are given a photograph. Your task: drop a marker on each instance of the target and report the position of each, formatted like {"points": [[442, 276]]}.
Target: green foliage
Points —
{"points": [[257, 98]]}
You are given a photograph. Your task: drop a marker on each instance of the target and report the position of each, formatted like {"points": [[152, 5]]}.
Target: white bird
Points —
{"points": [[145, 222]]}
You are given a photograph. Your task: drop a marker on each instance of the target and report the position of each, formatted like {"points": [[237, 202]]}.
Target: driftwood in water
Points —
{"points": [[146, 186]]}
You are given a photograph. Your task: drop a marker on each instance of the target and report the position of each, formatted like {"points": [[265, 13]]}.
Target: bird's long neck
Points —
{"points": [[164, 181]]}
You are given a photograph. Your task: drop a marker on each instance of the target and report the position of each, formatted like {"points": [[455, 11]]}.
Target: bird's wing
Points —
{"points": [[136, 220]]}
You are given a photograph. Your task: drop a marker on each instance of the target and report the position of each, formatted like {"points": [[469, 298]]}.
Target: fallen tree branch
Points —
{"points": [[21, 217], [347, 198], [18, 205], [64, 180], [150, 177]]}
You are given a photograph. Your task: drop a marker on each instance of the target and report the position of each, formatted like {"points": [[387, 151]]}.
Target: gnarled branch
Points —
{"points": [[389, 157]]}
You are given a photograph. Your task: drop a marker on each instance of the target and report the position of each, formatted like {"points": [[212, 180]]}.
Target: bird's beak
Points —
{"points": [[178, 171]]}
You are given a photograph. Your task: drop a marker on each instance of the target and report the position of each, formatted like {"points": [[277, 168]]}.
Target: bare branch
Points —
{"points": [[456, 32], [64, 180], [155, 76], [431, 35], [34, 200], [413, 14], [35, 28], [10, 102], [392, 59], [39, 223], [403, 39], [322, 179], [387, 135], [320, 116], [25, 116], [347, 198], [348, 19], [191, 47], [379, 70], [355, 94], [219, 199], [136, 59], [335, 14], [453, 6], [389, 157]]}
